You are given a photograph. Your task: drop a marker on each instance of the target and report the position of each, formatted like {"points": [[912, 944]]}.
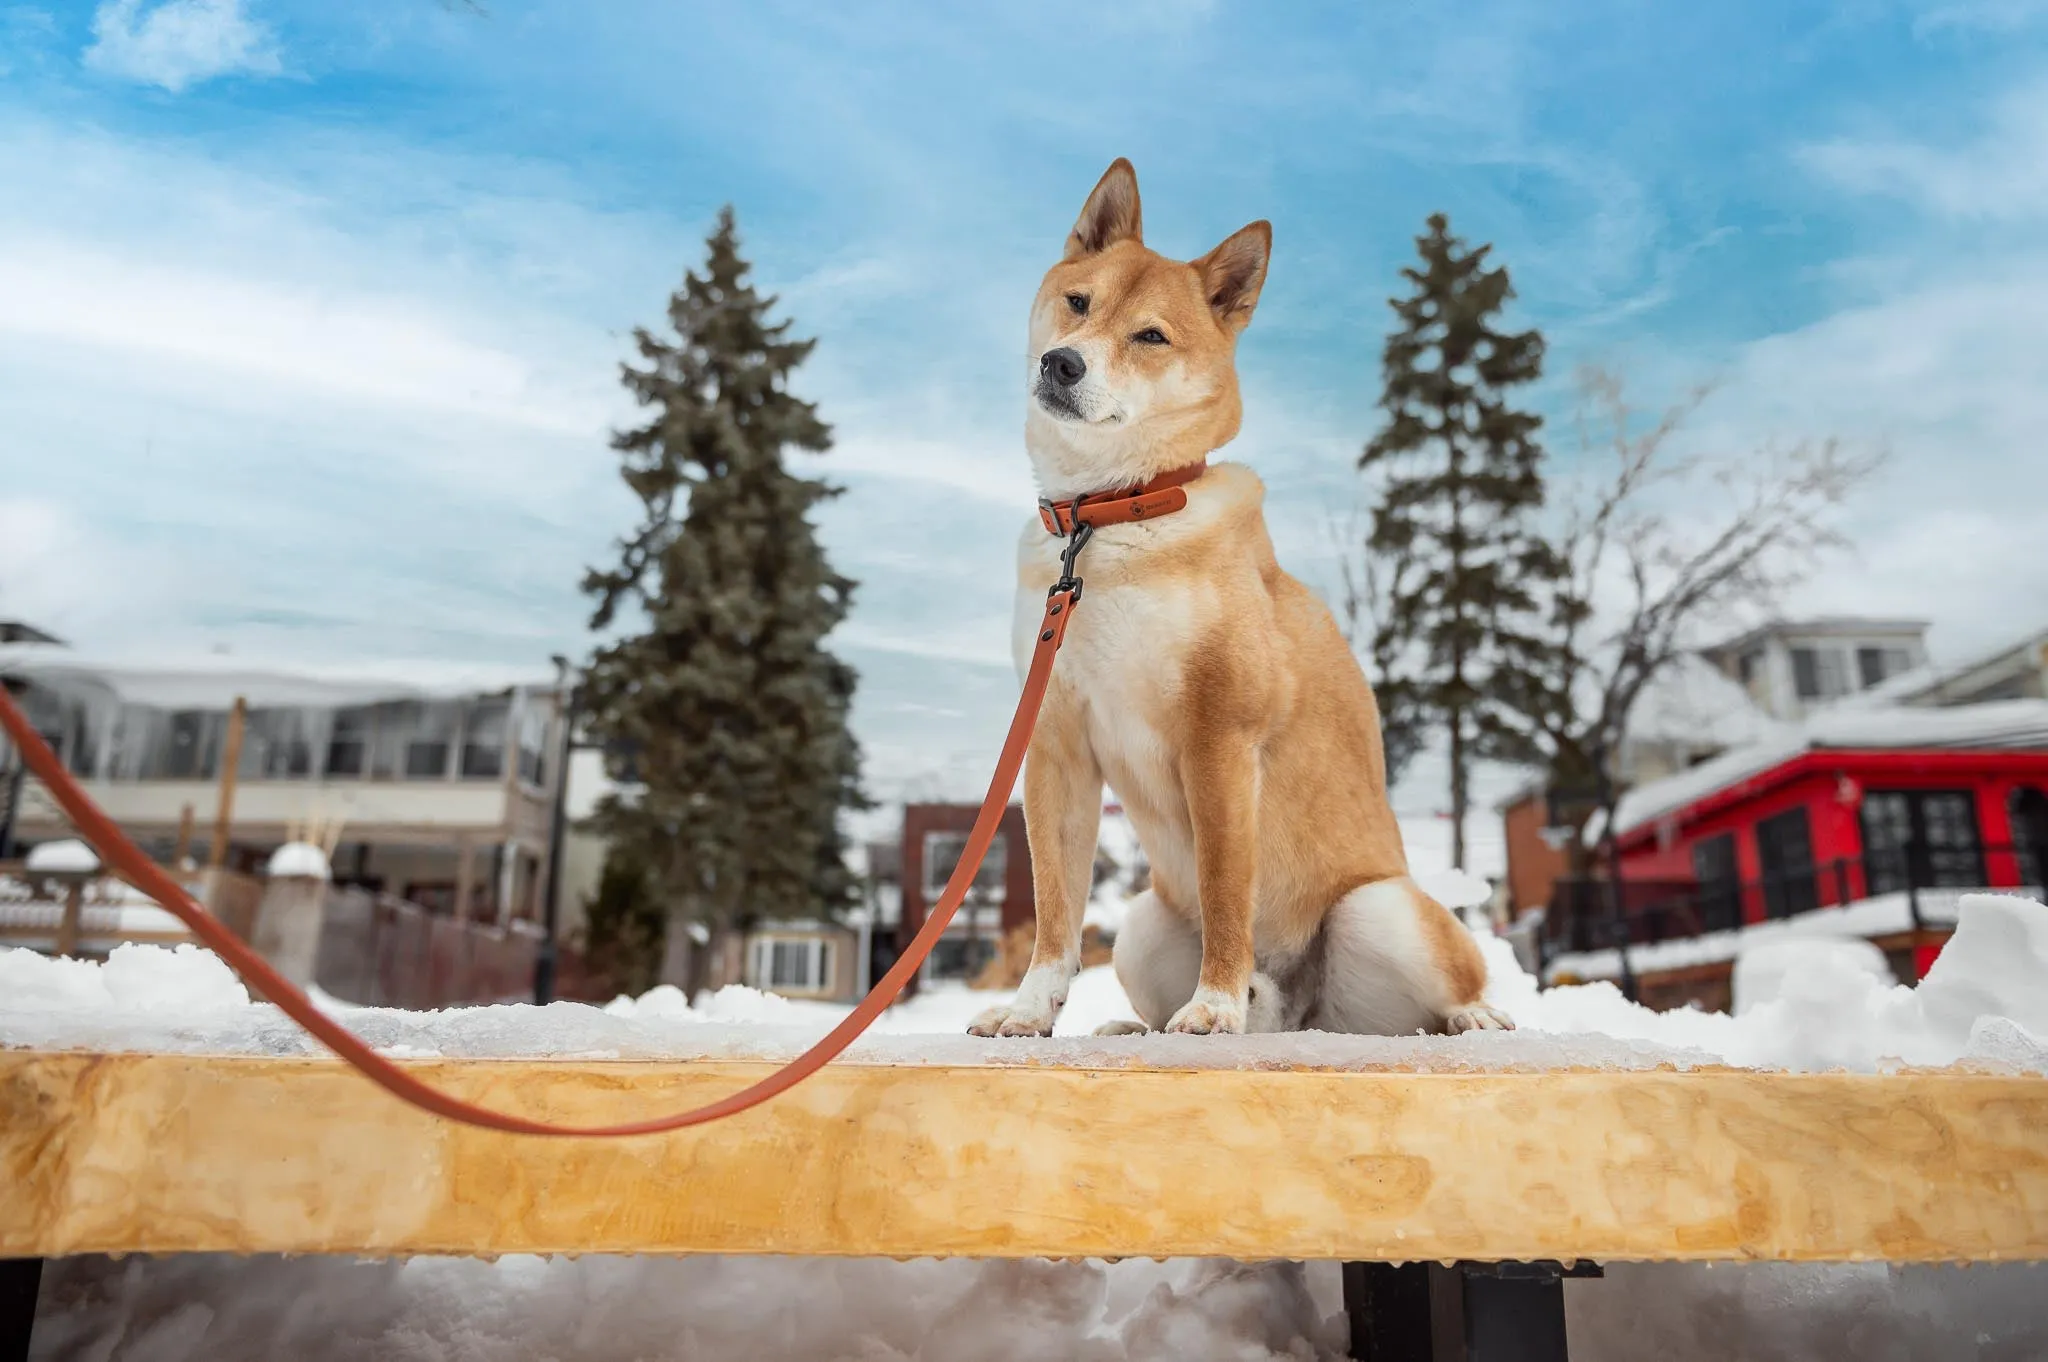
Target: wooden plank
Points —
{"points": [[143, 1153]]}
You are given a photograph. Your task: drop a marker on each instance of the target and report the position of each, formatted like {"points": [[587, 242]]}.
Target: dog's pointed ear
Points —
{"points": [[1111, 213], [1234, 272]]}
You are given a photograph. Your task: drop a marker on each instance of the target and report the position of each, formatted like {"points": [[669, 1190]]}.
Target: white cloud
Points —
{"points": [[62, 574], [266, 334], [1984, 16], [179, 43], [1939, 355], [1999, 176]]}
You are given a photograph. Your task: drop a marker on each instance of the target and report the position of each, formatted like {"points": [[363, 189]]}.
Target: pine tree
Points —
{"points": [[623, 925], [734, 713], [1460, 478]]}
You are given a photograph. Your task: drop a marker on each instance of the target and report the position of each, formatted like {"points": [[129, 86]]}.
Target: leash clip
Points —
{"points": [[1068, 582], [1077, 538]]}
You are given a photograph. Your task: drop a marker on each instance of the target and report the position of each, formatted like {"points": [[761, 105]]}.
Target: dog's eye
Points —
{"points": [[1151, 335], [1077, 303]]}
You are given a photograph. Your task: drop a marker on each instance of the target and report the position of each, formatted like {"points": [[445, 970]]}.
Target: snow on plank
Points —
{"points": [[153, 1153]]}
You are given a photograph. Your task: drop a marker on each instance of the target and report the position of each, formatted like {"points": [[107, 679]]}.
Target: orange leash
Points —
{"points": [[139, 870]]}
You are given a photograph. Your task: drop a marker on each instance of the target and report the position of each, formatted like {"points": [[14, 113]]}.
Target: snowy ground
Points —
{"points": [[1984, 1004]]}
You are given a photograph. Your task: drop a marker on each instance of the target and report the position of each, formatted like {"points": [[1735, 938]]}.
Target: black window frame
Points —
{"points": [[1785, 863], [1899, 836], [1720, 882]]}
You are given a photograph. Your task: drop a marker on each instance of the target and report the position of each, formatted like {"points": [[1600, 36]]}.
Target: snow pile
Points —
{"points": [[1882, 915], [1985, 1000], [1763, 973], [300, 860], [146, 982], [71, 857]]}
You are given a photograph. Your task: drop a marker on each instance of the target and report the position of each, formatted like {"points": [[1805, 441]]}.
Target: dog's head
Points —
{"points": [[1132, 365]]}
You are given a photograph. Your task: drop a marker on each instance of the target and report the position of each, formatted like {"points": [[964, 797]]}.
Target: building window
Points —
{"points": [[1874, 666], [348, 746], [277, 744], [191, 745], [942, 852], [2027, 809], [533, 736], [1784, 848], [483, 739], [431, 743], [1720, 892], [797, 965], [1820, 673], [1930, 833]]}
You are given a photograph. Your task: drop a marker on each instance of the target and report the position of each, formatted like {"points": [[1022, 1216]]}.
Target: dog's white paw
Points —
{"points": [[1209, 1013], [1478, 1017], [1013, 1020], [1123, 1028]]}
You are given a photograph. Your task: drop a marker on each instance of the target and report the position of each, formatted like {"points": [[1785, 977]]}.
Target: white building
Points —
{"points": [[1790, 668], [434, 782]]}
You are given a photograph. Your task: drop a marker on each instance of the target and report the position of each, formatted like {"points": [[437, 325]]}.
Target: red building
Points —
{"points": [[933, 837], [1844, 808]]}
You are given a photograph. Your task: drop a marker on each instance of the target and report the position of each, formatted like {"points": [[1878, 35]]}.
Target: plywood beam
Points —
{"points": [[139, 1153]]}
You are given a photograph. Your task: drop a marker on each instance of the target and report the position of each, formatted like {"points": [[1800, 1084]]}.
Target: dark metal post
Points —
{"points": [[545, 958], [1841, 882], [1617, 905], [1388, 1305], [21, 1281], [1470, 1312], [15, 780], [1913, 886], [16, 777]]}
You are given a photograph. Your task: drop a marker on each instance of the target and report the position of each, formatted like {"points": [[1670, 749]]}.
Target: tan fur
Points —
{"points": [[1212, 691]]}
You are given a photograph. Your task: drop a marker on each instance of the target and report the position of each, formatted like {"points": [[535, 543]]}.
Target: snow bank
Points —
{"points": [[71, 857], [1765, 973], [300, 860], [1882, 915], [1985, 1000]]}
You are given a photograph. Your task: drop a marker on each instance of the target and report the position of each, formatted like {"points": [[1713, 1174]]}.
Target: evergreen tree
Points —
{"points": [[1460, 476], [624, 926], [734, 713]]}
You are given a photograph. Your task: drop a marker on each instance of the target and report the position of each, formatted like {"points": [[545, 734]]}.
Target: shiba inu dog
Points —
{"points": [[1210, 690]]}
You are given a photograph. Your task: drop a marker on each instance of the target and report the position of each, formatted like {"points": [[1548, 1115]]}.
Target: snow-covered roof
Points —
{"points": [[1819, 625], [1998, 725], [1694, 702], [213, 681]]}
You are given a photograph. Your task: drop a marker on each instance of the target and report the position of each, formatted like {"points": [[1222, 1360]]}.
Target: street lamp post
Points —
{"points": [[546, 958]]}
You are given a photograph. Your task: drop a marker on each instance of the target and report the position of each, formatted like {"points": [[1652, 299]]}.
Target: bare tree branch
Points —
{"points": [[1664, 546], [1370, 581]]}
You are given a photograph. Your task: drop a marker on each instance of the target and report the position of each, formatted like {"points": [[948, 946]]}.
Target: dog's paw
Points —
{"points": [[1209, 1013], [1014, 1020], [1478, 1017], [1123, 1028]]}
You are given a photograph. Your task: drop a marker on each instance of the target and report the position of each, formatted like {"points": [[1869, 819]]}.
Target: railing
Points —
{"points": [[1583, 915], [66, 915]]}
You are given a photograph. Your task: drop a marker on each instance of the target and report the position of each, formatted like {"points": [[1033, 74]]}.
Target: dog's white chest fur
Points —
{"points": [[1123, 660]]}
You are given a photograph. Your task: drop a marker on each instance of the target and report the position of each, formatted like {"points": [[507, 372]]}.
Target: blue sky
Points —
{"points": [[309, 313]]}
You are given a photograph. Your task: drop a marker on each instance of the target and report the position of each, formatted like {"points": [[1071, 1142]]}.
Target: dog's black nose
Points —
{"points": [[1063, 366]]}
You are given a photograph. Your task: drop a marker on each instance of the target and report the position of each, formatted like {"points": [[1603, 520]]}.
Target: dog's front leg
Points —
{"points": [[1062, 815], [1220, 774]]}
